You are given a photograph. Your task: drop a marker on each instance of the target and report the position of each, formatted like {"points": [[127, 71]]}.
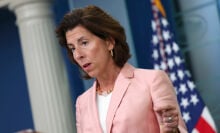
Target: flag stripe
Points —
{"points": [[203, 127], [206, 115]]}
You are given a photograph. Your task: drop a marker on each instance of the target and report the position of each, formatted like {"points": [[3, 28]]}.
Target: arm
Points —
{"points": [[165, 104]]}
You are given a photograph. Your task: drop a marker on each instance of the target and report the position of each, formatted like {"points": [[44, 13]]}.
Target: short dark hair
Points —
{"points": [[99, 23]]}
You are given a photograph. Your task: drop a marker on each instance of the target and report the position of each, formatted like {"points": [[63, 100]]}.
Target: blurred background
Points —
{"points": [[196, 29]]}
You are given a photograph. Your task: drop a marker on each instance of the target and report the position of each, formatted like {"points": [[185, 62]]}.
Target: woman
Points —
{"points": [[123, 99]]}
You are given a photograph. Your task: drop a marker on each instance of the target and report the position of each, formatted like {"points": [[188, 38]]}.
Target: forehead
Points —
{"points": [[77, 33]]}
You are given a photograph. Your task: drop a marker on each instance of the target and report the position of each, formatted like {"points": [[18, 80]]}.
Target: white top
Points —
{"points": [[103, 103]]}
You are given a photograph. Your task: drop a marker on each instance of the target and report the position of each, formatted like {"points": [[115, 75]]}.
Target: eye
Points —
{"points": [[71, 47], [72, 50], [84, 43]]}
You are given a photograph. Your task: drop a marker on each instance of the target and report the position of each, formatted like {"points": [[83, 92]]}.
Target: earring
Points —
{"points": [[111, 52]]}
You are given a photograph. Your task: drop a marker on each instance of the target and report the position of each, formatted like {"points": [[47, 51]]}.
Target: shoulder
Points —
{"points": [[149, 71], [149, 74], [143, 75], [129, 71], [85, 96]]}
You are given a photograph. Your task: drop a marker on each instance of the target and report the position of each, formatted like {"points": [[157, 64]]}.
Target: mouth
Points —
{"points": [[86, 66]]}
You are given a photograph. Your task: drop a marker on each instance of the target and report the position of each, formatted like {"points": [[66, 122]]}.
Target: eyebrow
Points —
{"points": [[80, 39], [69, 45]]}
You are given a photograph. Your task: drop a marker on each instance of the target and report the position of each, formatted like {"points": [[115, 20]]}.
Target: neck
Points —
{"points": [[107, 81]]}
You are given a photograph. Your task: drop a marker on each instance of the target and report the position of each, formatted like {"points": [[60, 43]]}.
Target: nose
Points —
{"points": [[78, 54]]}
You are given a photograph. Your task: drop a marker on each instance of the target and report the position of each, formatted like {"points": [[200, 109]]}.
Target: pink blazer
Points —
{"points": [[137, 94]]}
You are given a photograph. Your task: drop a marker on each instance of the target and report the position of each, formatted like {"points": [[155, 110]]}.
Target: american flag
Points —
{"points": [[166, 55]]}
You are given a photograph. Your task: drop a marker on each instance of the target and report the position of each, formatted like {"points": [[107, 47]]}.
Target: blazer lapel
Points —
{"points": [[121, 85], [93, 105]]}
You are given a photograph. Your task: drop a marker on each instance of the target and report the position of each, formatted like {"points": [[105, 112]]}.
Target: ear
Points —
{"points": [[111, 43]]}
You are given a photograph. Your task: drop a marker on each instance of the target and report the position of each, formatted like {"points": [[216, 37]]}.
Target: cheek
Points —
{"points": [[74, 59], [101, 54], [95, 52], [72, 56]]}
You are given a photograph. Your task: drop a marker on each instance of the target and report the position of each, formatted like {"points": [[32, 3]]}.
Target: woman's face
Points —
{"points": [[89, 51]]}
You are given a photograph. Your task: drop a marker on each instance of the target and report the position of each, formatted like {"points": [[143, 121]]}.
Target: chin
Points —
{"points": [[91, 75]]}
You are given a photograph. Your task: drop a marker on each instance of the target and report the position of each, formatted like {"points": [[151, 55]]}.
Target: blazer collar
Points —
{"points": [[94, 108], [121, 84], [127, 71]]}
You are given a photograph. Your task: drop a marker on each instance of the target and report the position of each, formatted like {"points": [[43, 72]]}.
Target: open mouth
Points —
{"points": [[85, 66]]}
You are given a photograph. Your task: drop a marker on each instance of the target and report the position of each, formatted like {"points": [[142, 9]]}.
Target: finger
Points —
{"points": [[169, 113], [169, 126], [170, 119], [173, 124], [169, 130], [166, 129]]}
